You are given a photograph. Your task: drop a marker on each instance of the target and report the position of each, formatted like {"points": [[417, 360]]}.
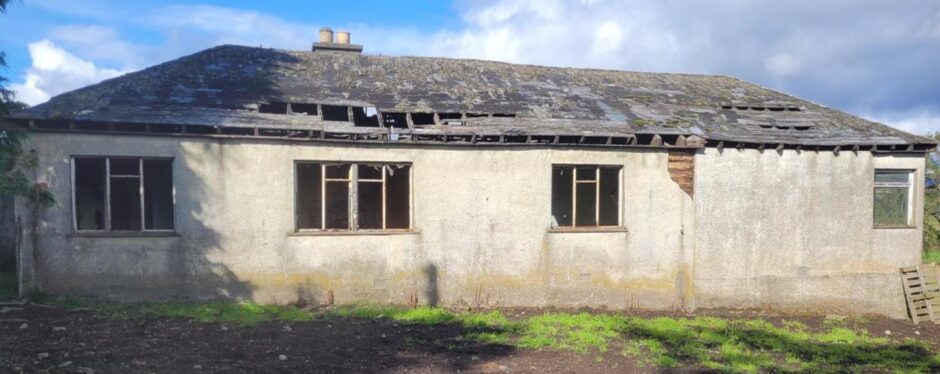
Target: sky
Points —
{"points": [[872, 58]]}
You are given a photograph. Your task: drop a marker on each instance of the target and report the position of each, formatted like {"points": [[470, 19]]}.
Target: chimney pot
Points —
{"points": [[326, 35], [342, 37]]}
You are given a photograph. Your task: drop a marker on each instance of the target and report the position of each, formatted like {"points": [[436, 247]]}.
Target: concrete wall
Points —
{"points": [[795, 228], [481, 230], [793, 231]]}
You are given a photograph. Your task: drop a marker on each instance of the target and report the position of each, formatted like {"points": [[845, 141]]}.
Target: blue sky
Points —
{"points": [[876, 59]]}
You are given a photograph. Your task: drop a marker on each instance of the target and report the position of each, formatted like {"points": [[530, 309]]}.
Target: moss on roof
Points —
{"points": [[226, 83]]}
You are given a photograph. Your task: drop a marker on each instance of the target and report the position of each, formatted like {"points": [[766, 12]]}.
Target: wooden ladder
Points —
{"points": [[922, 295]]}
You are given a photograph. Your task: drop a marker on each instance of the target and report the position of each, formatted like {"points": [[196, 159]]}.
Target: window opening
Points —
{"points": [[122, 194], [893, 197], [585, 196], [354, 196]]}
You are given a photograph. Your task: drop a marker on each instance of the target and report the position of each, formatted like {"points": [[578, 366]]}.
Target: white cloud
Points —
{"points": [[783, 64], [916, 121], [55, 70], [100, 44]]}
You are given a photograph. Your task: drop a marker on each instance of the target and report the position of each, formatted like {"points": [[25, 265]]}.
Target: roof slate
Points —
{"points": [[223, 86]]}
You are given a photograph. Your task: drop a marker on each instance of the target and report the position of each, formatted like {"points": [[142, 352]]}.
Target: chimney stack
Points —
{"points": [[326, 35], [341, 44], [342, 37]]}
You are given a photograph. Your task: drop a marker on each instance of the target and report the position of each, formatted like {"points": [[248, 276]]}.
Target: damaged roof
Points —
{"points": [[223, 86]]}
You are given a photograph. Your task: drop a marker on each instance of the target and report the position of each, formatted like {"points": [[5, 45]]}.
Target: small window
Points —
{"points": [[122, 194], [585, 196], [893, 198], [353, 196]]}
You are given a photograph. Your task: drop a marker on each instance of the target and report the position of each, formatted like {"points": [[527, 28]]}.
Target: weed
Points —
{"points": [[729, 345], [932, 257]]}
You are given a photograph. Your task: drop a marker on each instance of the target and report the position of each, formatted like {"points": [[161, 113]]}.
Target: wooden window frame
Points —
{"points": [[597, 197], [911, 173], [107, 194], [353, 181]]}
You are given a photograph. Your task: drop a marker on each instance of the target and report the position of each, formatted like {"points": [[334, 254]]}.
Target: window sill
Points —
{"points": [[123, 234], [901, 227], [577, 230], [352, 233]]}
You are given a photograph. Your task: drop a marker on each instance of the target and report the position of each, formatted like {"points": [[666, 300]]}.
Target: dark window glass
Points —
{"points": [[337, 205], [90, 188], [398, 197], [370, 205], [125, 204], [125, 166], [158, 194], [609, 203], [586, 206], [561, 195], [309, 194]]}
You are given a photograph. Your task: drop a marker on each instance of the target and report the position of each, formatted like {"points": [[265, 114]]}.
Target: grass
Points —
{"points": [[228, 312], [932, 257], [728, 345], [7, 285]]}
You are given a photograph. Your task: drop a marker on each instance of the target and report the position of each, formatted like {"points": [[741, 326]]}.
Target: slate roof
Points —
{"points": [[223, 86]]}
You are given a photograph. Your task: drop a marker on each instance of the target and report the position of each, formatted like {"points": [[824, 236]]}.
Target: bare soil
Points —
{"points": [[50, 339]]}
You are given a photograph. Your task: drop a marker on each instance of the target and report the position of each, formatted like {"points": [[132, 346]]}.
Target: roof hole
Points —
{"points": [[395, 119], [335, 113], [422, 119], [300, 108], [365, 117], [449, 115], [273, 108]]}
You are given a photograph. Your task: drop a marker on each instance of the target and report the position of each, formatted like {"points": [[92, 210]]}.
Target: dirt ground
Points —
{"points": [[51, 339]]}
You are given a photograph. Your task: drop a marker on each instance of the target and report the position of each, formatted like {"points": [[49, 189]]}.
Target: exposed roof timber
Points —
{"points": [[461, 136]]}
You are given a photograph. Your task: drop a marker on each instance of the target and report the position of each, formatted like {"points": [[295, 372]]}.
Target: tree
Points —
{"points": [[932, 199], [14, 161]]}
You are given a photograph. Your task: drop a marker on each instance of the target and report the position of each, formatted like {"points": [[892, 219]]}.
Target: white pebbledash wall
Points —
{"points": [[790, 231]]}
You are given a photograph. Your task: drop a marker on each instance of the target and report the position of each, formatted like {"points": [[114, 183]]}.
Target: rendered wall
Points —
{"points": [[481, 230], [788, 231], [793, 231]]}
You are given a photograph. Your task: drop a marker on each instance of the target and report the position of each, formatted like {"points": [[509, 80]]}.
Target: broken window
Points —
{"points": [[335, 113], [422, 119], [585, 196], [893, 194], [122, 194], [353, 196]]}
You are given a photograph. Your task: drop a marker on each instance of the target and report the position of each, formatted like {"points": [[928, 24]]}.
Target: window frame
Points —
{"points": [[597, 200], [910, 185], [107, 194], [353, 197]]}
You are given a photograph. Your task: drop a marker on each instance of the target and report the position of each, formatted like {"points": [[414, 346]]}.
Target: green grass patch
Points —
{"points": [[228, 312], [932, 257], [727, 345], [7, 285]]}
